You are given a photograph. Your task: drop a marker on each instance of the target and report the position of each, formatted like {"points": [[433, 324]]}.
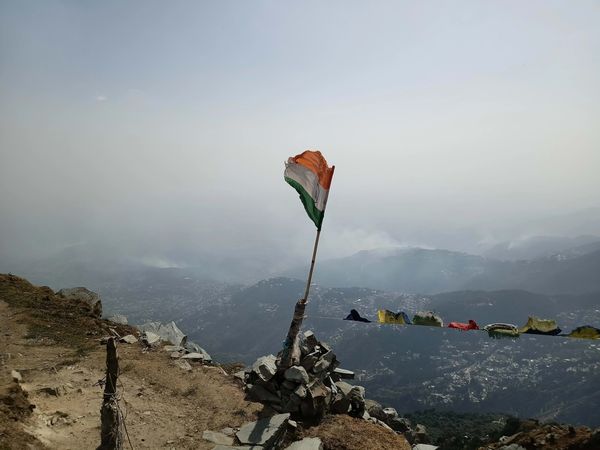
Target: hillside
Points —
{"points": [[55, 346], [425, 271]]}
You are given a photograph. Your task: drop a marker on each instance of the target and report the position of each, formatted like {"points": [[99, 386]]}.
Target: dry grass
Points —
{"points": [[343, 432]]}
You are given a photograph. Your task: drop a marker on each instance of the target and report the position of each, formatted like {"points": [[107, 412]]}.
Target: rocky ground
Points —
{"points": [[52, 368]]}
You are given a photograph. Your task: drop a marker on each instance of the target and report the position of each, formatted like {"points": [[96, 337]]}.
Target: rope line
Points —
{"points": [[374, 322]]}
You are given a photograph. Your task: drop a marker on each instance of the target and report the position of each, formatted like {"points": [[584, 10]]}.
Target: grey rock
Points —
{"points": [[301, 391], [85, 295], [297, 374], [266, 432], [182, 364], [16, 376], [173, 348], [168, 332], [306, 444], [129, 339], [151, 339], [241, 375], [309, 361], [344, 374], [391, 413], [118, 318], [426, 447], [340, 404], [291, 385], [193, 347], [196, 357], [344, 388], [381, 423], [265, 367], [504, 447], [260, 394], [324, 362], [375, 410], [311, 340], [399, 424], [228, 431], [217, 438]]}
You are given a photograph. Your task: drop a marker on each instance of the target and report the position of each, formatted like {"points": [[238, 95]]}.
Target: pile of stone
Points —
{"points": [[310, 389], [317, 386]]}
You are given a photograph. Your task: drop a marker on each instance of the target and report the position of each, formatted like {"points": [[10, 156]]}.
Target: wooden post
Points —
{"points": [[111, 428]]}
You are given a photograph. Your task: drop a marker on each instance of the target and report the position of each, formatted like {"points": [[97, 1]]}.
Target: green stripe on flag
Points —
{"points": [[309, 204]]}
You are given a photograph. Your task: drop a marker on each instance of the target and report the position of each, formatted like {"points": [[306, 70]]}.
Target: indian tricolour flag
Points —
{"points": [[310, 175]]}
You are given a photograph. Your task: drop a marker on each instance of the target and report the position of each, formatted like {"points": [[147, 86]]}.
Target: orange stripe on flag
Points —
{"points": [[314, 161]]}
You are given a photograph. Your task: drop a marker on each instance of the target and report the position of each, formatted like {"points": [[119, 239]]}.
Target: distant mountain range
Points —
{"points": [[418, 270], [535, 247]]}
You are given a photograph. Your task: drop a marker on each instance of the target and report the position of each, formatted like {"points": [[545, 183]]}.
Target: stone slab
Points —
{"points": [[264, 431], [306, 444]]}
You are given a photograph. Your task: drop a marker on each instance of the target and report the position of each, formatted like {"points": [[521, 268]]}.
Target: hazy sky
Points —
{"points": [[161, 127]]}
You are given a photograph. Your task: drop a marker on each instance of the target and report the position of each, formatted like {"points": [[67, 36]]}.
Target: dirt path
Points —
{"points": [[164, 406]]}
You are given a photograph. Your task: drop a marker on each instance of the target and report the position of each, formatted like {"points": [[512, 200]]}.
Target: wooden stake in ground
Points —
{"points": [[291, 348], [111, 428]]}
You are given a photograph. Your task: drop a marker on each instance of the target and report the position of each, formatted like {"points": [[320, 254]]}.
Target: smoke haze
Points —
{"points": [[159, 132]]}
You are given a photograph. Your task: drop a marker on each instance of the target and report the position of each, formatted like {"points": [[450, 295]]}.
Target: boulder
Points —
{"points": [[399, 424], [306, 444], [150, 339], [193, 347], [128, 339], [168, 332], [267, 432], [375, 410], [118, 318], [296, 374], [86, 296], [391, 413], [265, 367]]}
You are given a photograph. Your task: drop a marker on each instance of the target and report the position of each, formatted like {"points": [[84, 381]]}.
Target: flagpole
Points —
{"points": [[291, 348]]}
